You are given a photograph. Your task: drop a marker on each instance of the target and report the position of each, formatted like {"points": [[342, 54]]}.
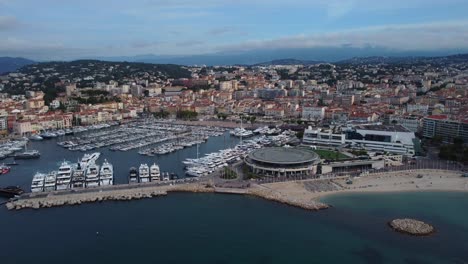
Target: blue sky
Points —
{"points": [[67, 29]]}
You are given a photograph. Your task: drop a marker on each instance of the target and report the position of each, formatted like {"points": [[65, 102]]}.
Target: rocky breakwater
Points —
{"points": [[194, 188], [272, 195], [61, 199], [412, 227]]}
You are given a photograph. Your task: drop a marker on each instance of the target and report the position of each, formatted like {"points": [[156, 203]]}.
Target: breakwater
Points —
{"points": [[412, 227], [136, 192]]}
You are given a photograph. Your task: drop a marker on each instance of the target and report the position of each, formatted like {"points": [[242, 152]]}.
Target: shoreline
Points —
{"points": [[306, 194]]}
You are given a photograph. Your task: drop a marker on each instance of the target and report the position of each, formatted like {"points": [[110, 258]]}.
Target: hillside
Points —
{"points": [[9, 64]]}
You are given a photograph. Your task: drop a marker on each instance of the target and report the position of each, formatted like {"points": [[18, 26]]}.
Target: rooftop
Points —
{"points": [[396, 128], [280, 155]]}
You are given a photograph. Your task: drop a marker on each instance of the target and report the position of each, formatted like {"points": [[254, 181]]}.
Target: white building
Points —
{"points": [[392, 139], [420, 108], [313, 113]]}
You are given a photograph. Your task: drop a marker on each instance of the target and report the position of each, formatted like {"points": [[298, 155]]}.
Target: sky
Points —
{"points": [[70, 29]]}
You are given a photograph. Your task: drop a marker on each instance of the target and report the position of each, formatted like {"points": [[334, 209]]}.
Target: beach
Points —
{"points": [[432, 180]]}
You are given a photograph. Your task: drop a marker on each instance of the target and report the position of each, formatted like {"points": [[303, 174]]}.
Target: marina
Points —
{"points": [[140, 134]]}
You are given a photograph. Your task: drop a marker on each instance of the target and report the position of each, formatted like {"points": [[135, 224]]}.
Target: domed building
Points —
{"points": [[282, 161]]}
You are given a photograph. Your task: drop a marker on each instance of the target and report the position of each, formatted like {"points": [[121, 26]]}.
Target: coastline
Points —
{"points": [[305, 194]]}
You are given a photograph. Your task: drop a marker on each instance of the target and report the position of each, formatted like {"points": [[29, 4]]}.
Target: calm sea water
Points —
{"points": [[211, 228]]}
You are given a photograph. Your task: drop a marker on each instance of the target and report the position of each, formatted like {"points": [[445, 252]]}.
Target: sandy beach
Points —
{"points": [[312, 190]]}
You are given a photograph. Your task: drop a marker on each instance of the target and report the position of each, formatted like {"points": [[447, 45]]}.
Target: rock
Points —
{"points": [[412, 227]]}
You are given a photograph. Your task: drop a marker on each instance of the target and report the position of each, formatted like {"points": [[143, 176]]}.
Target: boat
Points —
{"points": [[78, 180], [10, 191], [48, 135], [28, 154], [50, 181], [143, 172], [36, 137], [37, 184], [90, 158], [4, 169], [155, 174], [92, 175], [133, 175], [64, 175], [106, 175]]}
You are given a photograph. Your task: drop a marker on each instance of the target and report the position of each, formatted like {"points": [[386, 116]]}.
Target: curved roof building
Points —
{"points": [[281, 161]]}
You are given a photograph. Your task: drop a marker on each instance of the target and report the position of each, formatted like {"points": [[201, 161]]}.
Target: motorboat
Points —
{"points": [[37, 184], [64, 175], [106, 175], [143, 173], [133, 175], [92, 175], [155, 174]]}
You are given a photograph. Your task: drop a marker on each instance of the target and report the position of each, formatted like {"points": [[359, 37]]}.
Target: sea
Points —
{"points": [[214, 228]]}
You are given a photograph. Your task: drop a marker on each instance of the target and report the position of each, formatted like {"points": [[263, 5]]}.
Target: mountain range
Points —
{"points": [[9, 64], [265, 58]]}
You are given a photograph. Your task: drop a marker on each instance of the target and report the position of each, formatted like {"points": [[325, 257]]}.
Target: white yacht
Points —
{"points": [[37, 184], [78, 178], [144, 173], [92, 175], [90, 158], [64, 175], [50, 181], [155, 174], [106, 176]]}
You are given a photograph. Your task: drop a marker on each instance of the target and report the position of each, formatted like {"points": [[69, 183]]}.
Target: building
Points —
{"points": [[313, 113], [447, 129], [3, 123], [282, 162], [412, 123], [270, 94], [392, 139]]}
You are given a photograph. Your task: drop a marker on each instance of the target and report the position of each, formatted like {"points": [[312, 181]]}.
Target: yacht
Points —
{"points": [[106, 176], [28, 154], [144, 173], [78, 178], [90, 158], [37, 184], [48, 135], [64, 176], [50, 181], [155, 174], [92, 175], [36, 137], [133, 175]]}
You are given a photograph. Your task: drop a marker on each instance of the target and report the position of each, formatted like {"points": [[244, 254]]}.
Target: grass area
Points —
{"points": [[330, 154]]}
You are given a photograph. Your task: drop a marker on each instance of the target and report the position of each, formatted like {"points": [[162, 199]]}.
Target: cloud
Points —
{"points": [[219, 31], [8, 23], [189, 43], [145, 44], [431, 36]]}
